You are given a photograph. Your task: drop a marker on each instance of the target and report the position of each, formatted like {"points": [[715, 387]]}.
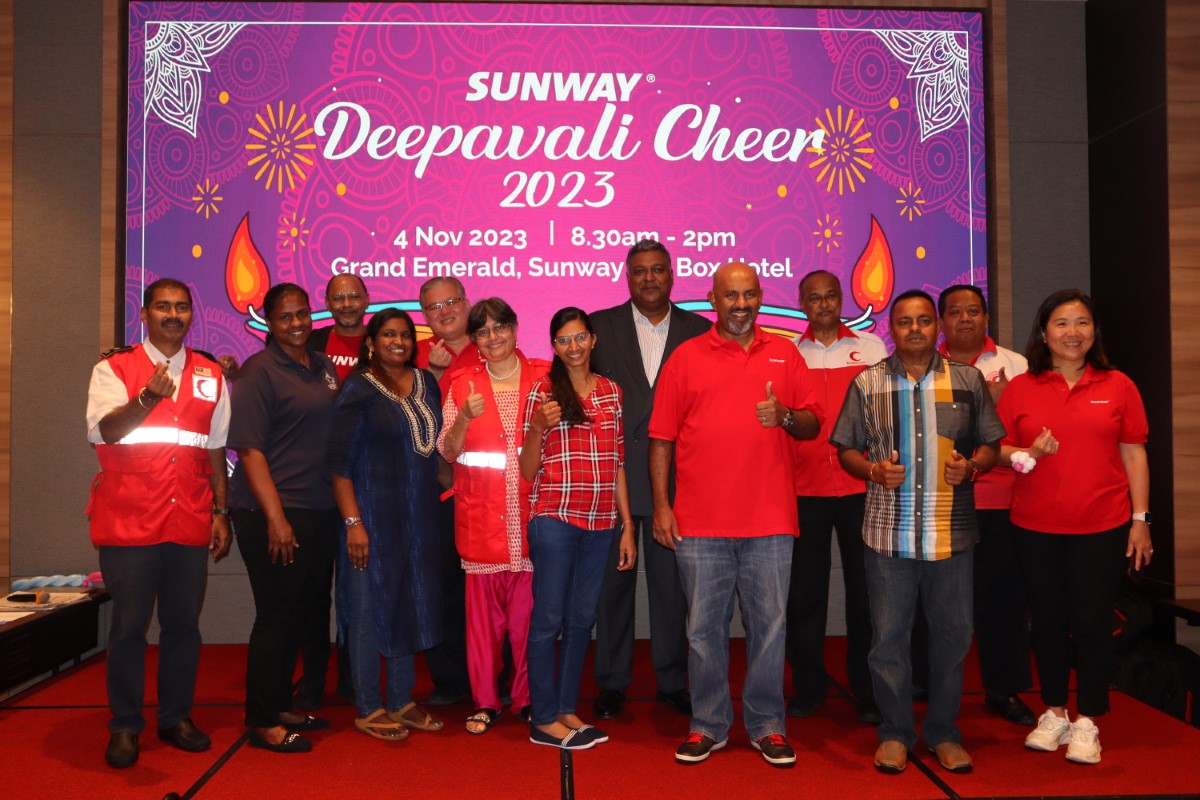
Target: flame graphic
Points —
{"points": [[874, 275], [246, 275]]}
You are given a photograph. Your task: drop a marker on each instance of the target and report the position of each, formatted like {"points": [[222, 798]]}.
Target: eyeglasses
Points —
{"points": [[565, 341], [451, 303], [353, 297], [499, 329]]}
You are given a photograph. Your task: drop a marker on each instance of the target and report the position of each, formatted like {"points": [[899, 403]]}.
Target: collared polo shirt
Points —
{"points": [[993, 490], [285, 411], [948, 409], [818, 471], [733, 477], [1083, 488]]}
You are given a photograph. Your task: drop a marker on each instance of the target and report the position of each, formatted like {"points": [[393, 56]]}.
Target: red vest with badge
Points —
{"points": [[153, 485], [479, 525]]}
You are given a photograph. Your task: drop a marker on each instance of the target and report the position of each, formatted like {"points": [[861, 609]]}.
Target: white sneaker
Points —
{"points": [[1085, 742], [1050, 732]]}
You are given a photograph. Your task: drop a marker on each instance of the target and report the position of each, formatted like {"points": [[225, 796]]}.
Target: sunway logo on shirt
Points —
{"points": [[1099, 402], [777, 360], [343, 361]]}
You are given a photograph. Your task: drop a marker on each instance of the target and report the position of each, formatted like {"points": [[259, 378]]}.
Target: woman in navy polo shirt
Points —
{"points": [[284, 515]]}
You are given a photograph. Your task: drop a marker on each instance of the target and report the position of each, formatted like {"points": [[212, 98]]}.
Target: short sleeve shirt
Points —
{"points": [[733, 477], [948, 409], [285, 411]]}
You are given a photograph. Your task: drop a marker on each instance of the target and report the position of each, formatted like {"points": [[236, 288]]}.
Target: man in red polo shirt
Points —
{"points": [[445, 305], [728, 405]]}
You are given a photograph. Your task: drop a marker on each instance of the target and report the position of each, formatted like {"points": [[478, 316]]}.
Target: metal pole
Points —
{"points": [[566, 774]]}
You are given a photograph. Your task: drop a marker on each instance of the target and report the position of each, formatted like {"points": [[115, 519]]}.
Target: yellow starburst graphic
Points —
{"points": [[206, 198], [910, 201], [828, 234], [280, 147], [293, 232], [841, 159]]}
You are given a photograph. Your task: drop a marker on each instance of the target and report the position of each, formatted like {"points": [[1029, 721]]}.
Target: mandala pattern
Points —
{"points": [[937, 61], [176, 57]]}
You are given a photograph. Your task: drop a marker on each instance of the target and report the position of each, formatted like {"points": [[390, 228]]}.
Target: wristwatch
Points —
{"points": [[788, 419], [1142, 516], [350, 522], [975, 473], [220, 512]]}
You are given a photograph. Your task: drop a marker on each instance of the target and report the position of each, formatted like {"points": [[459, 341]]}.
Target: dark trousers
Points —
{"points": [[134, 576], [315, 646], [808, 598], [1071, 581], [285, 597], [1001, 613], [447, 662], [668, 617]]}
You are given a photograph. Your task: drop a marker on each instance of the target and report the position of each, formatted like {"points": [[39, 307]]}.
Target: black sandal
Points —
{"points": [[486, 716]]}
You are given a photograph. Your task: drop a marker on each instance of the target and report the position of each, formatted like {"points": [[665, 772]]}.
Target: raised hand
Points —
{"points": [[957, 470], [548, 414], [160, 383], [888, 473], [440, 355], [996, 388], [472, 407], [1044, 445], [770, 411]]}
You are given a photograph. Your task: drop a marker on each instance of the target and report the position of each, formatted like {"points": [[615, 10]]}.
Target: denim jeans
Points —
{"points": [[757, 569], [568, 570], [893, 585], [363, 647]]}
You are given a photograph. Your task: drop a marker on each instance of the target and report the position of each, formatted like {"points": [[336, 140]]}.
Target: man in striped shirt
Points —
{"points": [[918, 428]]}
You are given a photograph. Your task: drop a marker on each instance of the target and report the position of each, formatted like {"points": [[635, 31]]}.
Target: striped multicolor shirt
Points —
{"points": [[948, 409]]}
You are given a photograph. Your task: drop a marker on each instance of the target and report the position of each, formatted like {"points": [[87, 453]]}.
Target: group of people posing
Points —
{"points": [[488, 509]]}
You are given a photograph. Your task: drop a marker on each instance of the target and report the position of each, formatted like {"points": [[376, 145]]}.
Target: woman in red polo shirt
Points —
{"points": [[573, 453], [1084, 425]]}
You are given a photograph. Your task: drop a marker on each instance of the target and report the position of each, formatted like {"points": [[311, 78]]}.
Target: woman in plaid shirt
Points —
{"points": [[574, 449]]}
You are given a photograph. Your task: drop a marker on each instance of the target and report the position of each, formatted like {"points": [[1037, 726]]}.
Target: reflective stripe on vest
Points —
{"points": [[164, 435], [478, 458]]}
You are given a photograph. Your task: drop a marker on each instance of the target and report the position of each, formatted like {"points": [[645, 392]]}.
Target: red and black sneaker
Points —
{"points": [[776, 750], [697, 746]]}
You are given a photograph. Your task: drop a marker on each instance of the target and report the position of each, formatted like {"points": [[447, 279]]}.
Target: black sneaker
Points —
{"points": [[776, 750], [696, 747]]}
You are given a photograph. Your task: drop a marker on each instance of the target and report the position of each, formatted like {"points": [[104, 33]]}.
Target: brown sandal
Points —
{"points": [[374, 726], [424, 722]]}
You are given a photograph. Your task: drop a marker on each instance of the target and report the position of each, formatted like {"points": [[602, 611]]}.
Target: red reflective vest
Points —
{"points": [[479, 525], [153, 485]]}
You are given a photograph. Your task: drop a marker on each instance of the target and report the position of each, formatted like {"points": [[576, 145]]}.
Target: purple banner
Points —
{"points": [[524, 148]]}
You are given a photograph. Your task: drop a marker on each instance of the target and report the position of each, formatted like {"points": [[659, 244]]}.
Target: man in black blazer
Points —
{"points": [[633, 341]]}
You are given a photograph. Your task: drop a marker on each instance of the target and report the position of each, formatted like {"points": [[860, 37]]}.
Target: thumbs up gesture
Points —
{"points": [[770, 411], [547, 415], [888, 473], [958, 469], [472, 407], [997, 387]]}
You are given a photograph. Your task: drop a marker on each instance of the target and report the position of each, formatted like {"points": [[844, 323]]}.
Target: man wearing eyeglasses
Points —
{"points": [[345, 341], [445, 306]]}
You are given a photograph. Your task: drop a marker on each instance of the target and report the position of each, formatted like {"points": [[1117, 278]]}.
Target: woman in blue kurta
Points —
{"points": [[385, 481]]}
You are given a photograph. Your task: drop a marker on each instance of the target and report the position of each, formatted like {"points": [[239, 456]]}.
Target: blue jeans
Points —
{"points": [[363, 647], [758, 570], [893, 585], [568, 570]]}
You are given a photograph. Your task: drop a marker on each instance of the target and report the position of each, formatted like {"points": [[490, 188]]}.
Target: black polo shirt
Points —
{"points": [[285, 410]]}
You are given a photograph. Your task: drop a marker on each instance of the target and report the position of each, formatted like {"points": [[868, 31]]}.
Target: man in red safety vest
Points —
{"points": [[158, 414]]}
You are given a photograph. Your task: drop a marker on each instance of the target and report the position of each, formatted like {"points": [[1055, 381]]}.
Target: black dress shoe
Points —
{"points": [[122, 750], [800, 707], [608, 703], [309, 723], [292, 743], [1011, 708], [185, 736], [868, 713], [680, 700]]}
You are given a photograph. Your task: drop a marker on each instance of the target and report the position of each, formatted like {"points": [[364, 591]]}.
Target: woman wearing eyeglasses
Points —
{"points": [[574, 456], [481, 437]]}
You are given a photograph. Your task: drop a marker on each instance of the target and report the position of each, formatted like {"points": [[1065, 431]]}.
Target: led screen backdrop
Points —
{"points": [[524, 148]]}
